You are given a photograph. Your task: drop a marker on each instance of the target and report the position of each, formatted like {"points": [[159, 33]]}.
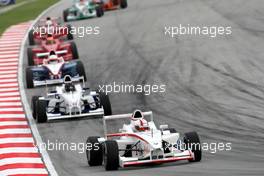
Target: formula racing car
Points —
{"points": [[67, 50], [140, 142], [112, 4], [53, 71], [49, 26], [70, 101], [82, 9]]}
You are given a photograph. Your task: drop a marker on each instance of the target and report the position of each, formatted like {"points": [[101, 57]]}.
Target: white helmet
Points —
{"points": [[138, 121]]}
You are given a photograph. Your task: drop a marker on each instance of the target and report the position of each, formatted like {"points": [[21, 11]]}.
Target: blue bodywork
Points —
{"points": [[42, 73]]}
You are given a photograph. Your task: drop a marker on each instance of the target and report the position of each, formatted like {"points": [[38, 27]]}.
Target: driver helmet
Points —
{"points": [[68, 85], [138, 121], [53, 58], [48, 21]]}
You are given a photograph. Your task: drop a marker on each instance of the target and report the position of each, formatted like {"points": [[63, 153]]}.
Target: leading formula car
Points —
{"points": [[70, 101], [112, 4], [49, 26], [37, 54], [53, 71], [140, 142], [83, 9]]}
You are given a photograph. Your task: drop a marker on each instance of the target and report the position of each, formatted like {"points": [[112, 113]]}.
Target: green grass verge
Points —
{"points": [[23, 13]]}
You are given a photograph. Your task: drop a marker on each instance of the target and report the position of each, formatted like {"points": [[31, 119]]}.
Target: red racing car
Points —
{"points": [[49, 26], [112, 4], [67, 50]]}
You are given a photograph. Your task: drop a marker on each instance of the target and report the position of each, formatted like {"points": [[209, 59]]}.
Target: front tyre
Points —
{"points": [[192, 141], [65, 15], [41, 111], [95, 154], [31, 37], [111, 155], [30, 57], [69, 34], [99, 11], [29, 78], [105, 102], [74, 49], [80, 70], [34, 102], [123, 4]]}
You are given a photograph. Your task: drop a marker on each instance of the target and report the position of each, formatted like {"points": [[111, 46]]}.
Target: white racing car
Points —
{"points": [[140, 143], [70, 101]]}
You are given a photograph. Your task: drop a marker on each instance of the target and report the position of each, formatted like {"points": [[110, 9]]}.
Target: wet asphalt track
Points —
{"points": [[214, 86]]}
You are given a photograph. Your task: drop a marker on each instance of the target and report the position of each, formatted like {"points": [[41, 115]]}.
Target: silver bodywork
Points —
{"points": [[71, 103]]}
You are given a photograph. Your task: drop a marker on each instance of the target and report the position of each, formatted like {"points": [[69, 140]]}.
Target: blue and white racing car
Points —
{"points": [[53, 70]]}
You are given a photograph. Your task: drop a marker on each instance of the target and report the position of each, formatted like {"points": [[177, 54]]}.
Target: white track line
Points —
{"points": [[16, 131], [12, 116], [13, 123], [21, 171], [20, 160], [17, 140], [32, 122]]}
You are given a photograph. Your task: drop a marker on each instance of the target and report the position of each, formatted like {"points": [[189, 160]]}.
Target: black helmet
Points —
{"points": [[52, 53]]}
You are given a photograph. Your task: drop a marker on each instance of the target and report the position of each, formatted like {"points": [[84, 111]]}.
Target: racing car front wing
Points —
{"points": [[92, 113], [126, 162]]}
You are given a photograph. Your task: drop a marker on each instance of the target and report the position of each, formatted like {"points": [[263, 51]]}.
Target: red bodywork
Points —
{"points": [[109, 4], [57, 46], [42, 30]]}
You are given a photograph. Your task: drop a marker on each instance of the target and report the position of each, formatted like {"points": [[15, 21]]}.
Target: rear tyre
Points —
{"points": [[65, 15], [105, 102], [31, 37], [34, 101], [111, 155], [81, 70], [29, 78], [123, 4], [192, 142], [69, 35], [95, 154], [74, 49], [99, 11], [30, 57], [41, 111]]}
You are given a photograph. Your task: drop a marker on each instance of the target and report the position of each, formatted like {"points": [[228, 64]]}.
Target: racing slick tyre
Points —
{"points": [[41, 111], [31, 37], [111, 155], [75, 53], [80, 70], [95, 154], [192, 141], [105, 102], [65, 15], [123, 4], [99, 11], [69, 35], [29, 78], [30, 57], [34, 101]]}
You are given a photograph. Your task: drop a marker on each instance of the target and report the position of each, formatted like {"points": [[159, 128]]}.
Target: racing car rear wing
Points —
{"points": [[47, 53], [122, 116]]}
